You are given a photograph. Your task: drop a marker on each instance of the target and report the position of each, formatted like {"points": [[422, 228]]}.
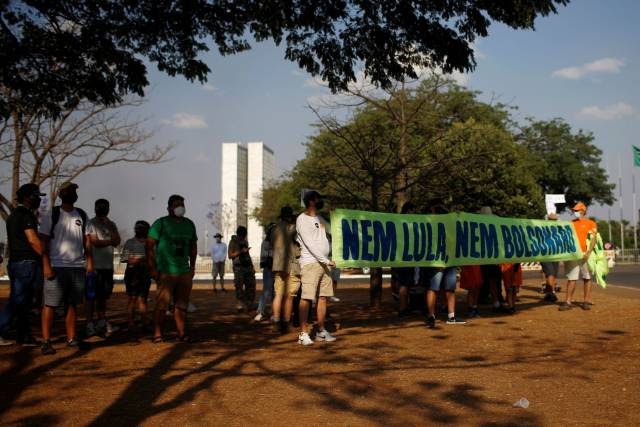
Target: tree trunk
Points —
{"points": [[375, 287]]}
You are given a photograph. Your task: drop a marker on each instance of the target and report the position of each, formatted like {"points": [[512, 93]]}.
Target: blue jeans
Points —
{"points": [[267, 290], [446, 279], [24, 277]]}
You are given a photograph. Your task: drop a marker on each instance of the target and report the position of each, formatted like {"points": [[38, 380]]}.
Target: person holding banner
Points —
{"points": [[550, 270], [583, 226], [315, 266], [436, 279], [512, 279], [471, 280]]}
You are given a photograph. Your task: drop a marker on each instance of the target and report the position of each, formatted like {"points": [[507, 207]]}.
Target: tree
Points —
{"points": [[56, 52], [46, 150], [566, 162]]}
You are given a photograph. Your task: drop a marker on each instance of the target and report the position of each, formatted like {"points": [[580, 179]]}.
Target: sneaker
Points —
{"points": [[46, 348], [4, 343], [324, 335], [29, 341], [454, 321], [473, 313], [77, 344], [258, 317], [334, 299], [565, 306], [550, 297], [304, 339], [191, 308], [111, 328], [91, 329], [586, 306], [431, 322]]}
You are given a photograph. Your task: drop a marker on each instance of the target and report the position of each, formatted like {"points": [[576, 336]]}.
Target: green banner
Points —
{"points": [[374, 239]]}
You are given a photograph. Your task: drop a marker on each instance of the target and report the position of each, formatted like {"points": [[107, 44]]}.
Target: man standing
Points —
{"points": [[575, 269], [104, 237], [66, 260], [437, 279], [266, 264], [244, 276], [218, 257], [171, 254], [550, 270], [25, 263], [286, 269], [315, 266]]}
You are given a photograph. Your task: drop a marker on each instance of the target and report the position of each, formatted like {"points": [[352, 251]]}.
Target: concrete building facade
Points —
{"points": [[246, 170]]}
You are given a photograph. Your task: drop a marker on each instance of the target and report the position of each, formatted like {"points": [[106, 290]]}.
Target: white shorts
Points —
{"points": [[575, 269]]}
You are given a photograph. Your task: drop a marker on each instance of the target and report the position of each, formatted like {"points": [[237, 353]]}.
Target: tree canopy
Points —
{"points": [[54, 53]]}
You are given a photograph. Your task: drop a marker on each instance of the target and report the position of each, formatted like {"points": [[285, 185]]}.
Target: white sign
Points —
{"points": [[551, 200]]}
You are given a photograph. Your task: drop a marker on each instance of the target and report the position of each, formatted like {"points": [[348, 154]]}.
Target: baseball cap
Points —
{"points": [[28, 190], [68, 184], [579, 207], [218, 235]]}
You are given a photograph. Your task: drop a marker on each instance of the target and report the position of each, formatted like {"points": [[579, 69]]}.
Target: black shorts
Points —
{"points": [[104, 284], [137, 280], [491, 272], [405, 276]]}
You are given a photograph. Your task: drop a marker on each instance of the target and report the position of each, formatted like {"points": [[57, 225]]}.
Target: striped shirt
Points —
{"points": [[133, 248]]}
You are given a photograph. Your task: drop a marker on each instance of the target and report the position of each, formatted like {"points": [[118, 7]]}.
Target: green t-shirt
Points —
{"points": [[174, 243]]}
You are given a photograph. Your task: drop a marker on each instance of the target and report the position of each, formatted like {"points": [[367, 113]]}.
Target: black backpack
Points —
{"points": [[55, 217]]}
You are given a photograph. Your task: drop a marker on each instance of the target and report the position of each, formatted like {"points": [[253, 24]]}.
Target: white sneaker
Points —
{"points": [[258, 317], [191, 307], [91, 329], [304, 339], [324, 335], [111, 328], [334, 299]]}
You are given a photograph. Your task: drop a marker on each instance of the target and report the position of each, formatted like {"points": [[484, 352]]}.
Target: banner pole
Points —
{"points": [[620, 200]]}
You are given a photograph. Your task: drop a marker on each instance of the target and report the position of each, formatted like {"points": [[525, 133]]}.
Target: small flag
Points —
{"points": [[636, 156]]}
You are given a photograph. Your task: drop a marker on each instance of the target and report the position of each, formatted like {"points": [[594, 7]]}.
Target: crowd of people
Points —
{"points": [[62, 258]]}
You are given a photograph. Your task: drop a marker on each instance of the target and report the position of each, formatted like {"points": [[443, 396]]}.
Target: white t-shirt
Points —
{"points": [[312, 236], [219, 252], [66, 249]]}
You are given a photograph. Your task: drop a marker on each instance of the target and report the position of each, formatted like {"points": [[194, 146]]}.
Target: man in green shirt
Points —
{"points": [[171, 254]]}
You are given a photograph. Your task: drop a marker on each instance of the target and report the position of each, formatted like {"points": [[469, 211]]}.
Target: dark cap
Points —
{"points": [[28, 190], [311, 195], [286, 212], [218, 235], [68, 184]]}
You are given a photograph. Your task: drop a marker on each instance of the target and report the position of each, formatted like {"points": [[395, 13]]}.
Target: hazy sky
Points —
{"points": [[582, 64]]}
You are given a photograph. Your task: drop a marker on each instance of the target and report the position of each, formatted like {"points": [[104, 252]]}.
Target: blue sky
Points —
{"points": [[582, 64]]}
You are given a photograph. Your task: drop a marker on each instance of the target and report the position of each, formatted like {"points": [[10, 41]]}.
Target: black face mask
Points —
{"points": [[319, 205], [34, 202], [102, 211], [69, 198]]}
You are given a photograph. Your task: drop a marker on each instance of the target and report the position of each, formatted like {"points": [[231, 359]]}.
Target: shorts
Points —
{"points": [[551, 268], [575, 269], [491, 272], [435, 279], [137, 281], [286, 284], [471, 277], [511, 275], [406, 276], [316, 279], [177, 286], [104, 284], [67, 287], [218, 269]]}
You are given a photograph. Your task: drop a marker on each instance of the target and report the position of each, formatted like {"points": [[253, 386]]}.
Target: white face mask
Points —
{"points": [[577, 214], [179, 211]]}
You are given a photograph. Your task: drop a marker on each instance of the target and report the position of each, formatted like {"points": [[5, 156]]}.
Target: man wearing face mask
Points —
{"points": [[25, 264], [171, 255], [104, 237], [575, 269], [218, 258], [66, 260]]}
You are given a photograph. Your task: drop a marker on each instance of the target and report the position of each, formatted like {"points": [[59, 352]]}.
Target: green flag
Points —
{"points": [[636, 156]]}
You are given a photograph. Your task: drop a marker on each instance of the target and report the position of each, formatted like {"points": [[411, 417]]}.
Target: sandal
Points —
{"points": [[184, 338], [157, 340]]}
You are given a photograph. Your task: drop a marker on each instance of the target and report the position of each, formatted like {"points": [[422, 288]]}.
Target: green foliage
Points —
{"points": [[56, 53], [565, 162]]}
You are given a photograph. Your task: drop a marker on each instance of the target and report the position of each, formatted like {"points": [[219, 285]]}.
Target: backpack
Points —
{"points": [[55, 218]]}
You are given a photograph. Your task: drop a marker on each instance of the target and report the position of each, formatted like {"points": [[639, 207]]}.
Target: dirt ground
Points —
{"points": [[575, 368]]}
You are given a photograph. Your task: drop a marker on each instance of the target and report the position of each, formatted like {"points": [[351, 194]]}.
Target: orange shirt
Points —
{"points": [[583, 226]]}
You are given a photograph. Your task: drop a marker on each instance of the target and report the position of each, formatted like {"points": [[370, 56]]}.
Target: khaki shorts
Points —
{"points": [[316, 280], [177, 286], [286, 284], [575, 269]]}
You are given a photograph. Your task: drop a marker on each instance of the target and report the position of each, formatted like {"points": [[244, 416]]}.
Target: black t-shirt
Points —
{"points": [[19, 247]]}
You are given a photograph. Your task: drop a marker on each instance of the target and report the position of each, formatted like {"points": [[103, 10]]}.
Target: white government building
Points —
{"points": [[246, 170]]}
